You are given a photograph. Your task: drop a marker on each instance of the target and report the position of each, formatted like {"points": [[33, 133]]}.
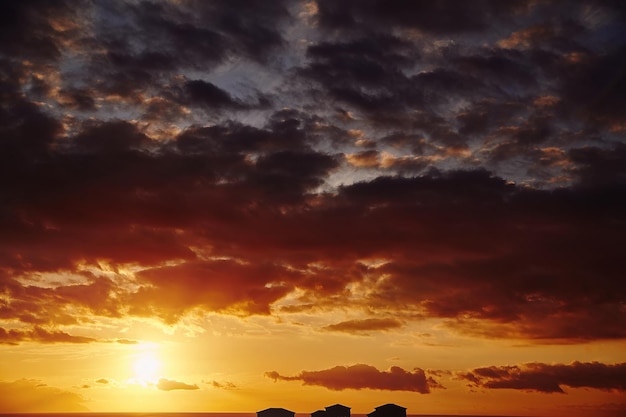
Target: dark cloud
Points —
{"points": [[102, 381], [365, 325], [600, 167], [462, 162], [170, 385], [594, 86], [460, 223], [115, 136], [549, 378], [371, 61], [362, 376], [28, 30], [438, 17], [206, 94], [366, 73]]}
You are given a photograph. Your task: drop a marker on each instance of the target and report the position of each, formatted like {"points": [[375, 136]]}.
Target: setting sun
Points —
{"points": [[226, 206], [146, 367]]}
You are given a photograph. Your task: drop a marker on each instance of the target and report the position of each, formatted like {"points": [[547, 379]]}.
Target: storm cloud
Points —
{"points": [[415, 159]]}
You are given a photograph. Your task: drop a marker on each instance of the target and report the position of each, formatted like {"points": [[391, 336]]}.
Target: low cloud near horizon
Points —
{"points": [[549, 378], [170, 385], [361, 376], [31, 396], [478, 180]]}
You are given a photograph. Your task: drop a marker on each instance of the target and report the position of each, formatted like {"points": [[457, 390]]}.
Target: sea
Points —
{"points": [[193, 414]]}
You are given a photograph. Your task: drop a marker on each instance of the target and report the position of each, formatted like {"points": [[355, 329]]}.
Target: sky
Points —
{"points": [[230, 205]]}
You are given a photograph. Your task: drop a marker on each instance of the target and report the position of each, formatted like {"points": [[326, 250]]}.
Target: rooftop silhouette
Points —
{"points": [[338, 410], [275, 412], [388, 410]]}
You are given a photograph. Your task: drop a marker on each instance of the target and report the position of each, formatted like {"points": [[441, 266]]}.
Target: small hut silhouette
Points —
{"points": [[388, 410], [337, 410], [275, 412]]}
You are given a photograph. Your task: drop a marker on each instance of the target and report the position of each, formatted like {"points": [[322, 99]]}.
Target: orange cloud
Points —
{"points": [[221, 285], [365, 159], [30, 396]]}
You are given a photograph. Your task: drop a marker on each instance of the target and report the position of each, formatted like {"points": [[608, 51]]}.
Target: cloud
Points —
{"points": [[445, 17], [222, 385], [207, 94], [476, 150], [365, 325], [549, 378], [126, 341], [241, 287], [43, 40], [40, 335], [362, 376], [102, 381], [29, 396], [169, 385]]}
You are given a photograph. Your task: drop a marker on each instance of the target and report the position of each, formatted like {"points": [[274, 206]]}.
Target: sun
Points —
{"points": [[146, 367]]}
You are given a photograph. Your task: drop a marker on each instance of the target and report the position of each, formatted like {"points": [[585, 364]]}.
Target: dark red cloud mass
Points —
{"points": [[548, 378], [362, 376], [413, 159]]}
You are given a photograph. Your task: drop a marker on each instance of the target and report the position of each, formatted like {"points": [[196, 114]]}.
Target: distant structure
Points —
{"points": [[337, 410], [388, 410], [275, 412]]}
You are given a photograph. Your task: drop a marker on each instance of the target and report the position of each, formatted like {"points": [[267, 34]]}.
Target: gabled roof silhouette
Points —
{"points": [[390, 405], [276, 411], [338, 406], [337, 410], [388, 410]]}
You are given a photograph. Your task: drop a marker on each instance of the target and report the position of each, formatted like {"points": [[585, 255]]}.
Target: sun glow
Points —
{"points": [[146, 367]]}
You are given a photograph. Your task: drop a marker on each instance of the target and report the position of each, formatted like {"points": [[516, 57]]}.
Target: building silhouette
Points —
{"points": [[318, 413], [388, 410], [275, 412], [337, 410]]}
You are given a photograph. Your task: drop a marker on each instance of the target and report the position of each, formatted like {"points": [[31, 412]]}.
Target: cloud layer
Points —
{"points": [[363, 376], [412, 160], [536, 376], [31, 396], [549, 378]]}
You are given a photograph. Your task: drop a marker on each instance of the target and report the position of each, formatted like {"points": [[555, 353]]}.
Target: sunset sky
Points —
{"points": [[231, 205]]}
